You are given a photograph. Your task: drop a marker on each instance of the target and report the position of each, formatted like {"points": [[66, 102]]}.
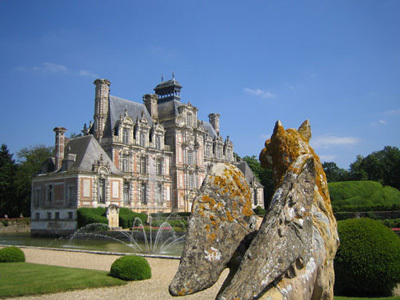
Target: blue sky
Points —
{"points": [[336, 63]]}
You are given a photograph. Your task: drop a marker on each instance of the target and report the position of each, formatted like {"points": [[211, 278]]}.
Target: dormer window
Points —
{"points": [[189, 120], [142, 139], [158, 142], [125, 135]]}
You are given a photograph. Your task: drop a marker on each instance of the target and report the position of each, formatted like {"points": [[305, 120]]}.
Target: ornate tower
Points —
{"points": [[168, 90], [101, 99]]}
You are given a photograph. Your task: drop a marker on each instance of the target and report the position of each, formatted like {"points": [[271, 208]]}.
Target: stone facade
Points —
{"points": [[150, 157]]}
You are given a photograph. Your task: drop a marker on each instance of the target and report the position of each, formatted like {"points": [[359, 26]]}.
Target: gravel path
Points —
{"points": [[163, 270]]}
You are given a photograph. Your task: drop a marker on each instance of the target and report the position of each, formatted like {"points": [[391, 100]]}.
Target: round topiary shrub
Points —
{"points": [[368, 260], [131, 267], [12, 254]]}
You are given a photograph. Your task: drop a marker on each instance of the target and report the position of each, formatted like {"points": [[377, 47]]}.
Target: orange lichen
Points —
{"points": [[212, 236], [182, 292], [230, 218]]}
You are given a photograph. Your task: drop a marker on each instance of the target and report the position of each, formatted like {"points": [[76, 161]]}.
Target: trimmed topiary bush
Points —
{"points": [[368, 260], [127, 217], [131, 267], [89, 215], [11, 254]]}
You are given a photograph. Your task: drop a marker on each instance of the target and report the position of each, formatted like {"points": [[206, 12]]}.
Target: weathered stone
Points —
{"points": [[221, 220], [294, 249], [291, 255]]}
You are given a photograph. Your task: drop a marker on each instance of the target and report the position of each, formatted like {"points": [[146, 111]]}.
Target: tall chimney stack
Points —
{"points": [[151, 103], [102, 93], [60, 143], [214, 121]]}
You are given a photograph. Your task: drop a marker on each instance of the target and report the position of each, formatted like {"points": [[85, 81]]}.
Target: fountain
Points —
{"points": [[154, 240]]}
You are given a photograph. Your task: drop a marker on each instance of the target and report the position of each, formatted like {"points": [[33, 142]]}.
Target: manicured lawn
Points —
{"points": [[352, 298], [20, 279]]}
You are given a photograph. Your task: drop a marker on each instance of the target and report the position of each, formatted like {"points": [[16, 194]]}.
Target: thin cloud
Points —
{"points": [[88, 74], [331, 140], [45, 67], [260, 93], [379, 123]]}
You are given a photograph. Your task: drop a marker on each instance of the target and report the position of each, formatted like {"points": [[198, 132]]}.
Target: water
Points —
{"points": [[96, 237]]}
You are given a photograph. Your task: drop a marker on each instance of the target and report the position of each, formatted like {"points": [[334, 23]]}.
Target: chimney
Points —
{"points": [[60, 140], [102, 93], [151, 103], [214, 121]]}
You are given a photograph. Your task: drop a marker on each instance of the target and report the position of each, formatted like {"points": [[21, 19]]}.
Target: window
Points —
{"points": [[57, 215], [208, 151], [37, 216], [160, 195], [189, 157], [49, 216], [142, 139], [218, 152], [159, 167], [143, 195], [70, 215], [71, 194], [125, 135], [191, 181], [143, 165], [102, 191], [36, 198], [127, 188], [125, 163], [189, 120], [158, 142], [50, 193]]}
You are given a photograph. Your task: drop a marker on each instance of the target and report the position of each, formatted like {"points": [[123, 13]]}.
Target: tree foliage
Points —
{"points": [[16, 178], [382, 166], [8, 169]]}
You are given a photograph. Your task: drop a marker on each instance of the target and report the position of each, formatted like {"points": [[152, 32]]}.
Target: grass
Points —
{"points": [[22, 279], [352, 298]]}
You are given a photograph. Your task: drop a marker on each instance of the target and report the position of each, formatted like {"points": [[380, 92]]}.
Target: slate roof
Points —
{"points": [[247, 172], [117, 108], [210, 129], [87, 151], [167, 110]]}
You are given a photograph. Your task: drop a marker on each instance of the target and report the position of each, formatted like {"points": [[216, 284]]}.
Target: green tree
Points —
{"points": [[263, 175], [356, 172], [334, 173], [29, 164], [381, 166], [8, 170]]}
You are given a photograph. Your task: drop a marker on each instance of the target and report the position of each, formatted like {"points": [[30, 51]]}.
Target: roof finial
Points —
{"points": [[173, 75], [162, 77]]}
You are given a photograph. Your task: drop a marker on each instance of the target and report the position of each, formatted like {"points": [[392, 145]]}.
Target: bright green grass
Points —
{"points": [[21, 279], [352, 298]]}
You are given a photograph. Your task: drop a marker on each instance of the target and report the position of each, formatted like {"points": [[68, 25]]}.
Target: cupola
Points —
{"points": [[168, 90]]}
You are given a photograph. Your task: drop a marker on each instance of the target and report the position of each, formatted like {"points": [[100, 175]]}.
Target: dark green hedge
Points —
{"points": [[131, 267], [89, 215], [11, 254], [127, 217], [174, 223], [350, 196], [368, 260]]}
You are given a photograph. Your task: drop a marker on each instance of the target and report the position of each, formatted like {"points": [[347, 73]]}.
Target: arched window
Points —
{"points": [[142, 139]]}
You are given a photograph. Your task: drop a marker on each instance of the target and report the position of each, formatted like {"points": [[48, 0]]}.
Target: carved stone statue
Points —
{"points": [[290, 256]]}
